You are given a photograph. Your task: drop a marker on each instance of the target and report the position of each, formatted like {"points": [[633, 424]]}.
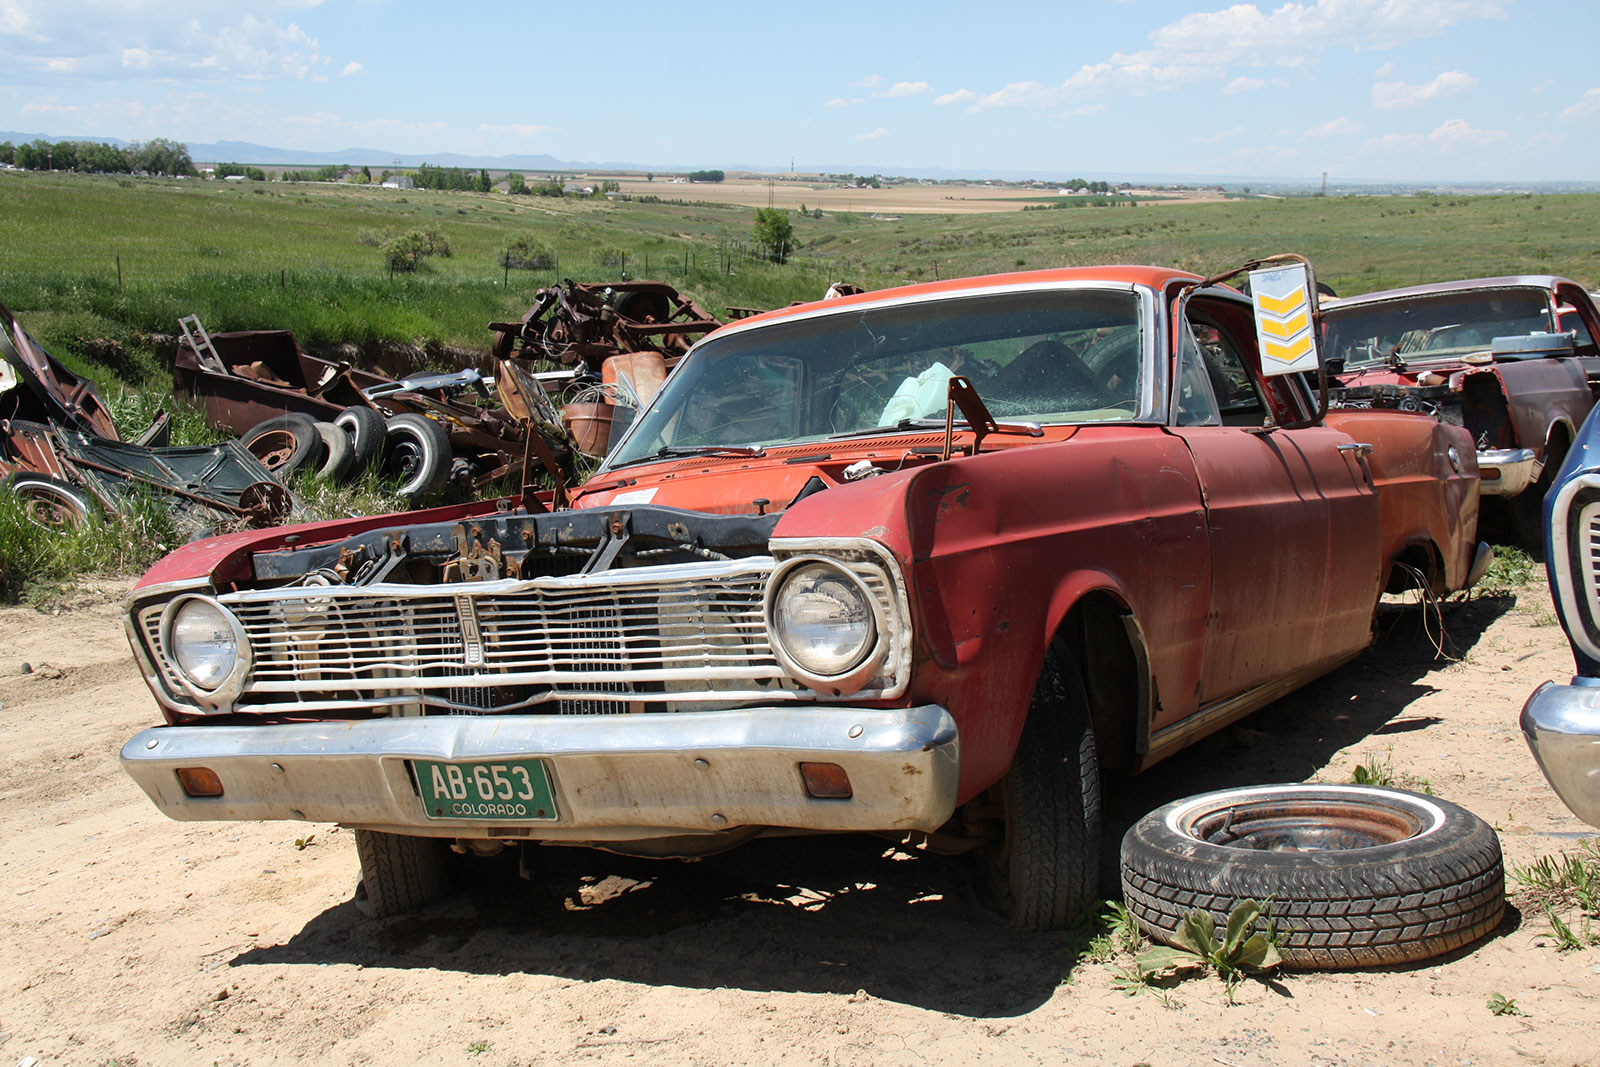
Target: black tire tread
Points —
{"points": [[1053, 789], [399, 873], [365, 428], [1331, 910]]}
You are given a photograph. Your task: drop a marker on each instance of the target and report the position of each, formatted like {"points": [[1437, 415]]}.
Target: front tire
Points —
{"points": [[1354, 876], [1046, 867], [399, 874], [416, 450]]}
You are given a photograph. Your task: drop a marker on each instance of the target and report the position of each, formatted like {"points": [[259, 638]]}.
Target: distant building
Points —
{"points": [[399, 181]]}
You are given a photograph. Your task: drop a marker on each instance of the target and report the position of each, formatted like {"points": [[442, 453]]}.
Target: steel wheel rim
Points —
{"points": [[1305, 823]]}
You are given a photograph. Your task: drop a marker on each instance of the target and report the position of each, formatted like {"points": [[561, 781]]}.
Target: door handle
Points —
{"points": [[1360, 448]]}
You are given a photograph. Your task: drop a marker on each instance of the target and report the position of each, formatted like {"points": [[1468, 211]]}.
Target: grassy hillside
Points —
{"points": [[306, 256]]}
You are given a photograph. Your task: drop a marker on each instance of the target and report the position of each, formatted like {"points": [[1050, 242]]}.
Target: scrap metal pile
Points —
{"points": [[60, 452]]}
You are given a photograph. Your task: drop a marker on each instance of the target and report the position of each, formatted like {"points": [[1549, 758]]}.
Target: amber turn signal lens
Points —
{"points": [[826, 781], [200, 781]]}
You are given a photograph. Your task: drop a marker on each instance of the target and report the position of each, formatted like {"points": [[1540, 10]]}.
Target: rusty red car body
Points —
{"points": [[800, 557]]}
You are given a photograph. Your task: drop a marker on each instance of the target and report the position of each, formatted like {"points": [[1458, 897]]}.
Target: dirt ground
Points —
{"points": [[791, 193], [130, 939]]}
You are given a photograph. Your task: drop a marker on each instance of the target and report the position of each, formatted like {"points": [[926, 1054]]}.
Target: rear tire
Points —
{"points": [[365, 428], [285, 444], [1046, 868], [399, 874], [416, 450]]}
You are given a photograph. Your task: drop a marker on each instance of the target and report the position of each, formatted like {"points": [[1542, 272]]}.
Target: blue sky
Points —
{"points": [[1378, 89]]}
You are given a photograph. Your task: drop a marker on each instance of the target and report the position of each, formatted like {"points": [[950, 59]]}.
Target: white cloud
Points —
{"points": [[1242, 84], [1459, 133], [514, 130], [873, 135], [1385, 71], [871, 81], [180, 40], [901, 90], [1587, 105], [1221, 135], [960, 96], [1387, 96], [1204, 46], [1339, 127], [351, 69]]}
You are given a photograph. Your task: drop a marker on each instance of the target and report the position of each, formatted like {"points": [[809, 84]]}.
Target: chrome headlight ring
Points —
{"points": [[219, 687], [857, 665]]}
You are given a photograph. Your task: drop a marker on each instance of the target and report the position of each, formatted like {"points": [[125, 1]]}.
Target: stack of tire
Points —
{"points": [[409, 449]]}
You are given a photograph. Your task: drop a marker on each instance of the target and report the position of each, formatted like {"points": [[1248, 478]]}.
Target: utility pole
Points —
{"points": [[1324, 183]]}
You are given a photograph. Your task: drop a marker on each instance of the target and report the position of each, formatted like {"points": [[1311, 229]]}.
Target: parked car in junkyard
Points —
{"points": [[924, 561], [60, 452], [1561, 723], [1512, 359]]}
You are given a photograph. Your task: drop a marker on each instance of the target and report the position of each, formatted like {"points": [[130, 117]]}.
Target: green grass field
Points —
{"points": [[247, 255]]}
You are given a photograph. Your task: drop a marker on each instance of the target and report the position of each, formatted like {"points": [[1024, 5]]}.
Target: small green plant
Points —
{"points": [[1566, 940], [1567, 880], [1511, 570], [1239, 953], [303, 843], [1101, 938], [1379, 771], [478, 1048], [1501, 1005]]}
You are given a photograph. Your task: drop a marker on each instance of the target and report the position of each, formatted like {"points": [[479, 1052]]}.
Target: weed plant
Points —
{"points": [[38, 564], [1567, 883]]}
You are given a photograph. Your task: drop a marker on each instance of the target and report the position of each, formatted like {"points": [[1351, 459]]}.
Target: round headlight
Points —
{"points": [[822, 617], [204, 642]]}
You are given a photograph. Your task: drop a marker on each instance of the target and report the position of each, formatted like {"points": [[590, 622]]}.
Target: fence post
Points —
{"points": [[119, 268], [647, 264], [283, 279]]}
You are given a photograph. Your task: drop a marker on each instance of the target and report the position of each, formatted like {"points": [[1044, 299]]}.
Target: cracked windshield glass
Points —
{"points": [[1063, 355]]}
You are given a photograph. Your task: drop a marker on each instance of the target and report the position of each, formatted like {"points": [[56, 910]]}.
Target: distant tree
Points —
{"points": [[774, 232], [229, 170], [549, 187], [516, 185], [162, 157], [8, 152], [366, 175], [647, 177], [405, 252], [706, 176]]}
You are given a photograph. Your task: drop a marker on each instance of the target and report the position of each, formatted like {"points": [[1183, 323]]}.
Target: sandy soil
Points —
{"points": [[130, 939], [894, 200]]}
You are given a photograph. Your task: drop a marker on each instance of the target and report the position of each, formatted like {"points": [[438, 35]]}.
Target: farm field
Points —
{"points": [[794, 192], [130, 939], [85, 257]]}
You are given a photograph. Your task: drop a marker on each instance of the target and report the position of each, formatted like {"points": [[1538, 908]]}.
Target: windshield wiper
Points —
{"points": [[903, 424], [668, 451]]}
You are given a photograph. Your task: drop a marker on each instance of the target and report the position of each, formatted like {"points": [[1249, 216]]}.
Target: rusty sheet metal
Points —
{"points": [[41, 389]]}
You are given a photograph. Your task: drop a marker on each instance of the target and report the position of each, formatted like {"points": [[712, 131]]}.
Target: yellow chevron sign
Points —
{"points": [[1281, 297]]}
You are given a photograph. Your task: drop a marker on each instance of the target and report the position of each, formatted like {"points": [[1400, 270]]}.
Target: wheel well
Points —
{"points": [[1101, 637], [1420, 557]]}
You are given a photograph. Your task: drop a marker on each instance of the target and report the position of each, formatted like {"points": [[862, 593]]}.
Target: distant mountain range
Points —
{"points": [[265, 155]]}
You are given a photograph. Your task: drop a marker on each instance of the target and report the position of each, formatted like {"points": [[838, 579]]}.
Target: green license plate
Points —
{"points": [[510, 791]]}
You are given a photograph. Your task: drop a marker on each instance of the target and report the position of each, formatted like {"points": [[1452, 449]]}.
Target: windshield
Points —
{"points": [[1433, 326], [1060, 355]]}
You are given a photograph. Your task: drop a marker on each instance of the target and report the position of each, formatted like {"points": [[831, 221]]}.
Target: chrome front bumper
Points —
{"points": [[1507, 471], [614, 777], [1562, 726]]}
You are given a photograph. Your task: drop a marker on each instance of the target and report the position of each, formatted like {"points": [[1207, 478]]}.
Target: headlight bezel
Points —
{"points": [[226, 691], [874, 650]]}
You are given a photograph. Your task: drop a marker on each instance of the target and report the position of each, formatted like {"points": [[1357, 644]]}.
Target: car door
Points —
{"points": [[1291, 514]]}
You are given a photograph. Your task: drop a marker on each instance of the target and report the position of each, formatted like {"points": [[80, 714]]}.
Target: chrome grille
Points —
{"points": [[1587, 532], [685, 636]]}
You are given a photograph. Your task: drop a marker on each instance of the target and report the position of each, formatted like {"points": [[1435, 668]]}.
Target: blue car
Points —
{"points": [[1562, 722]]}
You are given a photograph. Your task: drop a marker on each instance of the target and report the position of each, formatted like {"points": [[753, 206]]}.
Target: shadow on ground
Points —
{"points": [[838, 914]]}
